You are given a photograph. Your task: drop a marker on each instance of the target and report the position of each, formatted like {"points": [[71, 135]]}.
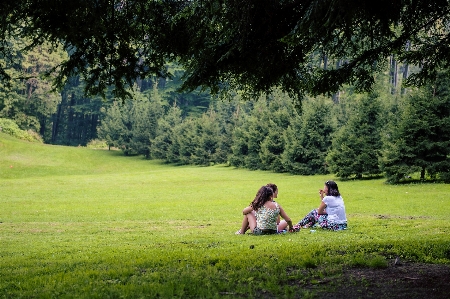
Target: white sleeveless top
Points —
{"points": [[335, 209]]}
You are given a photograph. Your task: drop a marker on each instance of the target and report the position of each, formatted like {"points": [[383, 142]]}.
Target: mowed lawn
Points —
{"points": [[84, 223]]}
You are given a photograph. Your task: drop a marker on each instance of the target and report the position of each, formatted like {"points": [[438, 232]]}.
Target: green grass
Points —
{"points": [[83, 223]]}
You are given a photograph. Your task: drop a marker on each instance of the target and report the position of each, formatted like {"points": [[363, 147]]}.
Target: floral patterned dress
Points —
{"points": [[266, 220]]}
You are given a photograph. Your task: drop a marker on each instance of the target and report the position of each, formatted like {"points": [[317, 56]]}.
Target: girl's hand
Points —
{"points": [[322, 194]]}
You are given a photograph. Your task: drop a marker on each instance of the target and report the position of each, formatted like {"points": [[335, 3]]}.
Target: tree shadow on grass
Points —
{"points": [[398, 280]]}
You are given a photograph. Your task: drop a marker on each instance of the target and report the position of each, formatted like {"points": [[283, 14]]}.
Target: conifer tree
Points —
{"points": [[256, 129], [28, 98], [239, 142], [280, 113], [206, 139], [185, 140], [112, 126], [309, 138], [163, 146], [272, 147], [145, 113], [357, 145], [420, 142], [239, 147], [228, 115], [131, 126]]}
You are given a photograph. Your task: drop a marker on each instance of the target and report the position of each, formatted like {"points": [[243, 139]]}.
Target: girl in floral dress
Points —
{"points": [[266, 211]]}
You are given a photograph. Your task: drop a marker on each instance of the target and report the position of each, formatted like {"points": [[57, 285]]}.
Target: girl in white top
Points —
{"points": [[331, 212]]}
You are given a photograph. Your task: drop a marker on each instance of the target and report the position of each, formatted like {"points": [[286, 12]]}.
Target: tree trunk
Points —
{"points": [[336, 96], [43, 123], [57, 117], [405, 76], [405, 68], [71, 118], [393, 74], [325, 62]]}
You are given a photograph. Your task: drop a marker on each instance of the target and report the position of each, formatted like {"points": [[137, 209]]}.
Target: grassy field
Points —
{"points": [[83, 223]]}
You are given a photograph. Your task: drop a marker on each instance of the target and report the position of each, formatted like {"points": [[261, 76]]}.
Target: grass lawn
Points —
{"points": [[83, 223]]}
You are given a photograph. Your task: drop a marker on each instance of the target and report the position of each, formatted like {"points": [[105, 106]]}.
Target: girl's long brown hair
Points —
{"points": [[273, 186], [263, 195]]}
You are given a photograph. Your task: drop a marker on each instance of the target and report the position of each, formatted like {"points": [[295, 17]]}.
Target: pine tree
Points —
{"points": [[206, 139], [228, 118], [239, 147], [256, 129], [248, 135], [309, 138], [163, 146], [132, 125], [185, 140], [280, 113], [357, 145], [112, 126], [29, 98], [145, 113], [272, 148], [421, 141]]}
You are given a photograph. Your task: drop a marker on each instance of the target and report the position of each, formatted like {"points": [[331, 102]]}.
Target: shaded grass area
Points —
{"points": [[80, 223]]}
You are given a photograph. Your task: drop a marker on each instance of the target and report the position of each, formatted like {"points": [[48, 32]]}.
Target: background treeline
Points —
{"points": [[391, 132], [67, 116], [361, 136]]}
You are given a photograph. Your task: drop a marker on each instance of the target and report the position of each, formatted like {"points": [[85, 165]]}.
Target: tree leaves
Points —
{"points": [[253, 46]]}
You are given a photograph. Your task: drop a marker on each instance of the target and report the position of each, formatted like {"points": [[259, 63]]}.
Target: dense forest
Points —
{"points": [[392, 131]]}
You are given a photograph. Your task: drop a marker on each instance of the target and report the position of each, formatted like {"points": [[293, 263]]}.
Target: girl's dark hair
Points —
{"points": [[263, 195], [333, 189], [273, 186]]}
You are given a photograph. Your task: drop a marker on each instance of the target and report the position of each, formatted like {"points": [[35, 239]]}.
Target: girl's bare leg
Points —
{"points": [[282, 225], [244, 225], [249, 221]]}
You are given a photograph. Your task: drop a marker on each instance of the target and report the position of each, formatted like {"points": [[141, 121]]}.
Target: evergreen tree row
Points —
{"points": [[362, 136]]}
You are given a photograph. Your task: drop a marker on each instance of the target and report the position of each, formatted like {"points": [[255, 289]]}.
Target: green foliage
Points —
{"points": [[281, 112], [28, 97], [190, 141], [131, 126], [239, 148], [192, 104], [421, 141], [111, 128], [163, 146], [309, 139], [266, 134], [356, 146], [144, 118], [227, 118], [184, 136], [9, 127], [207, 139], [272, 147], [255, 129], [302, 47]]}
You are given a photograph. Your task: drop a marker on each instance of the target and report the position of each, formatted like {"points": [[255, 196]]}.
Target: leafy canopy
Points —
{"points": [[302, 46]]}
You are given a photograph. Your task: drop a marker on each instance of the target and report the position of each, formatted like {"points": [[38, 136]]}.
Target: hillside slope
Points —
{"points": [[20, 159]]}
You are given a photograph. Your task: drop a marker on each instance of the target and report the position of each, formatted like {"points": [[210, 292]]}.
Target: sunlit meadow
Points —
{"points": [[84, 223]]}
